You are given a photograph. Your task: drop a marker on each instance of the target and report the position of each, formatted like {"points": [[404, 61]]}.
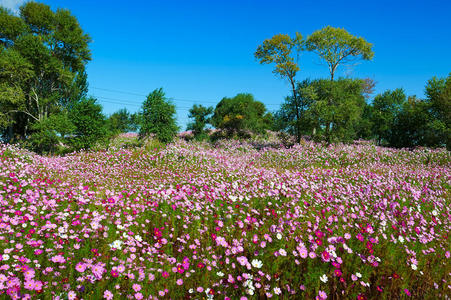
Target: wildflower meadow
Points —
{"points": [[194, 221]]}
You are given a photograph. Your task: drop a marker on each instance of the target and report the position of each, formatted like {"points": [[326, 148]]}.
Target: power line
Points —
{"points": [[175, 99], [119, 101]]}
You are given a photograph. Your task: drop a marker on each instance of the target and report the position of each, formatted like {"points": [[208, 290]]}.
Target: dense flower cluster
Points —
{"points": [[226, 222]]}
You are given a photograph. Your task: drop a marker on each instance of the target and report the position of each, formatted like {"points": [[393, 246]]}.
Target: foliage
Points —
{"points": [[201, 116], [336, 46], [50, 133], [283, 51], [438, 92], [423, 122], [158, 117], [241, 115], [386, 108], [332, 109], [338, 108], [135, 121], [285, 118], [43, 54], [364, 128], [120, 122], [89, 122]]}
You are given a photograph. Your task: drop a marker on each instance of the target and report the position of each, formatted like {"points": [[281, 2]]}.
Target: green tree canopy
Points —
{"points": [[286, 117], [201, 117], [43, 54], [89, 122], [241, 114], [50, 132], [158, 117], [120, 122], [386, 108], [338, 108], [336, 46]]}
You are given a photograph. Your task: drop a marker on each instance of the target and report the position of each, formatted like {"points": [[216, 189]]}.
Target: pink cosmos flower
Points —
{"points": [[29, 285], [242, 260], [37, 285], [97, 270], [71, 295], [80, 267], [107, 295], [120, 268], [58, 259], [322, 295], [28, 274], [303, 252]]}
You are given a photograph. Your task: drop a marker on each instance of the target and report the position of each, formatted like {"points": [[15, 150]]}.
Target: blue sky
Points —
{"points": [[201, 51]]}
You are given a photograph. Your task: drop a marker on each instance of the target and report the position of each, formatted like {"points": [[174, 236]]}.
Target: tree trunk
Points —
{"points": [[298, 117], [10, 133], [332, 71]]}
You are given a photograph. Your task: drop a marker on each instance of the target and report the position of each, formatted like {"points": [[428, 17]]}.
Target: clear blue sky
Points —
{"points": [[203, 50]]}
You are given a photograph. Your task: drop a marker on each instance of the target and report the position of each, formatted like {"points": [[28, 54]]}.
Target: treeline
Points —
{"points": [[341, 110], [44, 102]]}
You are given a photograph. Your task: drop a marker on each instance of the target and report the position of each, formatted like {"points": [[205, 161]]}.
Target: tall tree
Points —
{"points": [[283, 51], [158, 117], [201, 117], [285, 117], [53, 49], [336, 46], [338, 108]]}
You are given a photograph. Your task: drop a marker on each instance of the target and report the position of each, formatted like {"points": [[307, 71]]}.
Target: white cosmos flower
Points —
{"points": [[220, 274], [323, 278], [358, 275], [279, 236], [5, 257], [117, 244], [414, 267], [277, 291], [257, 263]]}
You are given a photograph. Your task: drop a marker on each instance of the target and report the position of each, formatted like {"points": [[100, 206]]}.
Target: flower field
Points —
{"points": [[228, 222]]}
